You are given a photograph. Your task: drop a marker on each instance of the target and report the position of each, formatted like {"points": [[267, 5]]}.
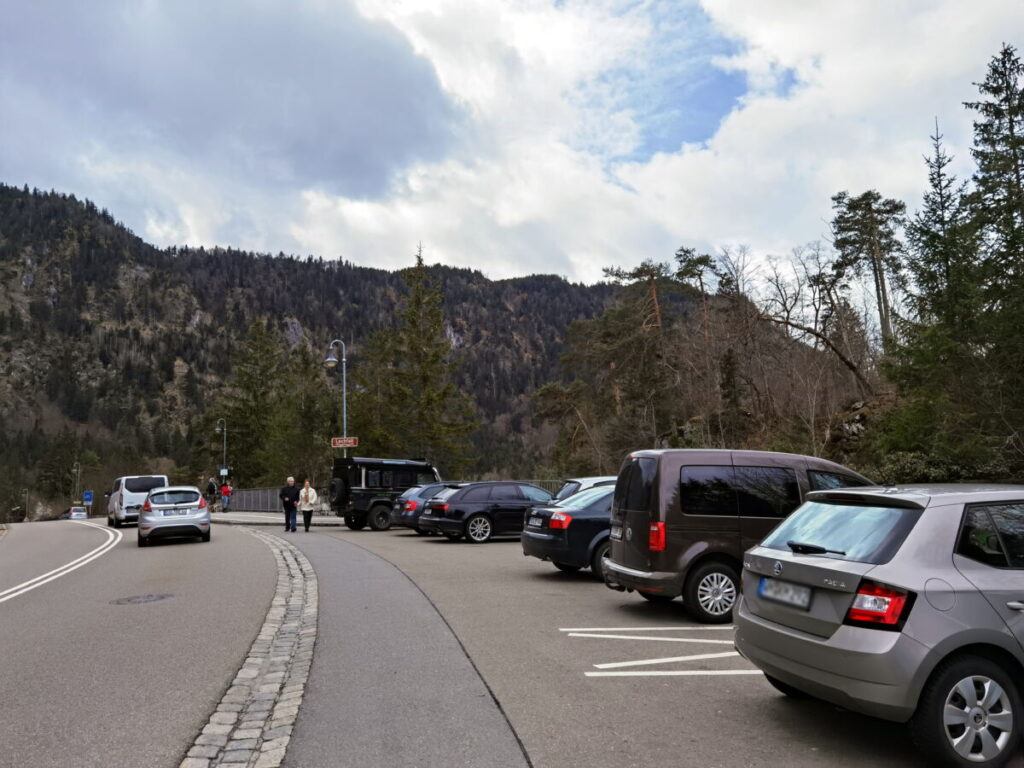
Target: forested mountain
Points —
{"points": [[113, 349]]}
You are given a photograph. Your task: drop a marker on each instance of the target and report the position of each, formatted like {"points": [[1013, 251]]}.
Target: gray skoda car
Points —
{"points": [[173, 512], [902, 603]]}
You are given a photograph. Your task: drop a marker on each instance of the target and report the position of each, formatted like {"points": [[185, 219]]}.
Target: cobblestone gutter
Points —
{"points": [[253, 722]]}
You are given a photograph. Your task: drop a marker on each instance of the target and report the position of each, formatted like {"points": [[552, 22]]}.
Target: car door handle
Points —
{"points": [[1015, 605]]}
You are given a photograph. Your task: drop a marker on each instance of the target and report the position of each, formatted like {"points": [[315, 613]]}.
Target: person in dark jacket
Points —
{"points": [[289, 499]]}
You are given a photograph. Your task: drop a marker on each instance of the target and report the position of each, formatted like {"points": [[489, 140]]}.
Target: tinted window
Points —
{"points": [[707, 491], [633, 488], [478, 493], [429, 491], [423, 477], [413, 492], [444, 494], [568, 489], [174, 497], [766, 491], [506, 493], [862, 534], [535, 494], [989, 532], [143, 484], [827, 481]]}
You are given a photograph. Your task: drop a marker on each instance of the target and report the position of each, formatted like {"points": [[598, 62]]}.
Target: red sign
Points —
{"points": [[344, 442]]}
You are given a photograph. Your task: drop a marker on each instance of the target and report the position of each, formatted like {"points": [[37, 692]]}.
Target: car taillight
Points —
{"points": [[202, 503], [879, 606], [146, 507], [440, 507], [656, 542], [559, 521], [410, 506]]}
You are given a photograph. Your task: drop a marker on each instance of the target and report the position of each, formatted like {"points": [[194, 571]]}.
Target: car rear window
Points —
{"points": [[143, 484], [568, 489], [585, 498], [409, 493], [633, 488], [174, 497], [864, 534], [444, 494], [828, 481]]}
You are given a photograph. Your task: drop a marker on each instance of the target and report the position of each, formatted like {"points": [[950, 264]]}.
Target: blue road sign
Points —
{"points": [[87, 497]]}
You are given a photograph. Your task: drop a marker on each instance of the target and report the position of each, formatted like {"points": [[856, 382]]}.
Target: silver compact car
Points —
{"points": [[902, 603], [172, 512]]}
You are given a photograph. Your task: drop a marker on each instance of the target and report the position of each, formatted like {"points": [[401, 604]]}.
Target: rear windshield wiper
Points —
{"points": [[802, 548]]}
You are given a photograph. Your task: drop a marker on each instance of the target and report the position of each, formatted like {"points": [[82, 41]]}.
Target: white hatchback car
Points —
{"points": [[172, 512]]}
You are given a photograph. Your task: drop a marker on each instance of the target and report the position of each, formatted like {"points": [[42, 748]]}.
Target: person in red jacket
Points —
{"points": [[225, 496]]}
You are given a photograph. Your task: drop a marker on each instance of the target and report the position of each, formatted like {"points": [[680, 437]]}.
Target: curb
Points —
{"points": [[253, 722]]}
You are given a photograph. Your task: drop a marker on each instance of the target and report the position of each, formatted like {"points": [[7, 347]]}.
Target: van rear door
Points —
{"points": [[631, 512]]}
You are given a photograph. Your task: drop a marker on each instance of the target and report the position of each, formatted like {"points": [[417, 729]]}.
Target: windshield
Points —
{"points": [[143, 484], [585, 498], [174, 497], [862, 534]]}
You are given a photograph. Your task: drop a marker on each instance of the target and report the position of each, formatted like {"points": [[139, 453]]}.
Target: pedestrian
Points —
{"points": [[211, 493], [289, 498], [307, 503], [225, 496]]}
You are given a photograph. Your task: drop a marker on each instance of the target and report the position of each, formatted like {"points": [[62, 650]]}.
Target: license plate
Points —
{"points": [[426, 513], [785, 592], [617, 534], [536, 522], [173, 512]]}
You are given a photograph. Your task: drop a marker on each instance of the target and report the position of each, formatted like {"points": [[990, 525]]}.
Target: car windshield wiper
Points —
{"points": [[802, 548]]}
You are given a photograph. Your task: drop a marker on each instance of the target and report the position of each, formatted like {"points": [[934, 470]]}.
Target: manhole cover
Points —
{"points": [[136, 599]]}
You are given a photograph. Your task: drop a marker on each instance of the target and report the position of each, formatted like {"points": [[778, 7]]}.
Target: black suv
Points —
{"points": [[364, 490], [479, 511]]}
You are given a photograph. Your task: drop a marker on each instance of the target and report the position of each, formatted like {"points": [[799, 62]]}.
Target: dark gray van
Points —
{"points": [[682, 519]]}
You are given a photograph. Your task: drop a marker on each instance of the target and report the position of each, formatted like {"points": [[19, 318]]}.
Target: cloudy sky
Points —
{"points": [[513, 136]]}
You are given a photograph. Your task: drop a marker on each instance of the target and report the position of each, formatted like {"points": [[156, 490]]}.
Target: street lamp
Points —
{"points": [[331, 361], [77, 469], [222, 428]]}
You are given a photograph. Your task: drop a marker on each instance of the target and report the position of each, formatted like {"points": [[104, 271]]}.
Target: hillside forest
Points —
{"points": [[893, 345]]}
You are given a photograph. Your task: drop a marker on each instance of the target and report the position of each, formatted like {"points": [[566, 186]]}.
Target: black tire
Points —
{"points": [[355, 522], [711, 592], [421, 533], [206, 536], [117, 523], [380, 517], [143, 542], [336, 492], [601, 551], [653, 597], [566, 568], [453, 536], [479, 529], [109, 524], [786, 688], [929, 731]]}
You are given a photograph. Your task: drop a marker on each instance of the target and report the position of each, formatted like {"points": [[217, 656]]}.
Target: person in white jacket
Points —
{"points": [[307, 503]]}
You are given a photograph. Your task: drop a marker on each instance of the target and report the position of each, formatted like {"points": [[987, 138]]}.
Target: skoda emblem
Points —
{"points": [[777, 568], [629, 534]]}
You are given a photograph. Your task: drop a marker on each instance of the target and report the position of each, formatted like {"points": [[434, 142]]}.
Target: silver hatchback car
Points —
{"points": [[902, 603], [174, 511]]}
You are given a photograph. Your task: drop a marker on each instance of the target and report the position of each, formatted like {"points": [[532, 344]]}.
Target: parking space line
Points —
{"points": [[676, 673], [669, 660], [649, 629], [700, 640]]}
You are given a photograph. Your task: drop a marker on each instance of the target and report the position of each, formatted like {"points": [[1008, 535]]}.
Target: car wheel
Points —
{"points": [[380, 518], [206, 536], [786, 688], [602, 551], [710, 593], [355, 522], [479, 529], [421, 533], [969, 714], [654, 597], [453, 536], [565, 567], [143, 542], [109, 524], [117, 523]]}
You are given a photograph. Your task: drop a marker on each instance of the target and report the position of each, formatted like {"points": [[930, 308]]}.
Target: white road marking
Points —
{"points": [[669, 660], [658, 639], [649, 629], [113, 537], [676, 673]]}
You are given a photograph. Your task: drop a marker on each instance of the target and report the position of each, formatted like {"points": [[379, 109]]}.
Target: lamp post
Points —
{"points": [[331, 361], [222, 428], [77, 469]]}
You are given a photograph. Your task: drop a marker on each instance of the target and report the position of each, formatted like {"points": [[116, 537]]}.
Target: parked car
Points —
{"points": [[125, 499], [577, 484], [480, 511], [172, 512], [904, 603], [409, 506], [364, 490], [75, 513], [572, 533], [681, 519]]}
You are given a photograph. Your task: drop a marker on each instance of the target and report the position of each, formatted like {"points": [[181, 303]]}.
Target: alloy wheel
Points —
{"points": [[716, 593], [978, 718], [479, 529]]}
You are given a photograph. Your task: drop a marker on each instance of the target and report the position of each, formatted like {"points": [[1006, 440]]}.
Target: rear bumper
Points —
{"points": [[427, 523], [619, 577], [407, 519], [864, 670], [129, 515], [545, 546], [450, 526], [174, 530]]}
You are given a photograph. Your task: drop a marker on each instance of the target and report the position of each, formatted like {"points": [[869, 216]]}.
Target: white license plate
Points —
{"points": [[536, 522], [786, 592], [617, 534], [173, 512]]}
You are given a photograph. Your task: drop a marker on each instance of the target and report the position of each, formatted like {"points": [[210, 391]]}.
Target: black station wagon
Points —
{"points": [[479, 511]]}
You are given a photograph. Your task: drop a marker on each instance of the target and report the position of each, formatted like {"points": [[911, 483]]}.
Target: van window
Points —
{"points": [[143, 484], [707, 491], [766, 491], [633, 488], [827, 481]]}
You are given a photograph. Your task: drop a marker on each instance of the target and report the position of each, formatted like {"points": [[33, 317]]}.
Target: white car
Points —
{"points": [[174, 512], [125, 499]]}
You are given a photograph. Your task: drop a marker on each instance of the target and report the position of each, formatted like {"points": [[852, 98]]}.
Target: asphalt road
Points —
{"points": [[510, 613], [86, 680]]}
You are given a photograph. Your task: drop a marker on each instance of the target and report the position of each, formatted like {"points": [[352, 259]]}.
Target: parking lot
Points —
{"points": [[591, 677]]}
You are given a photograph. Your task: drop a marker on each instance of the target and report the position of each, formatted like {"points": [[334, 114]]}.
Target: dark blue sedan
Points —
{"points": [[572, 534]]}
